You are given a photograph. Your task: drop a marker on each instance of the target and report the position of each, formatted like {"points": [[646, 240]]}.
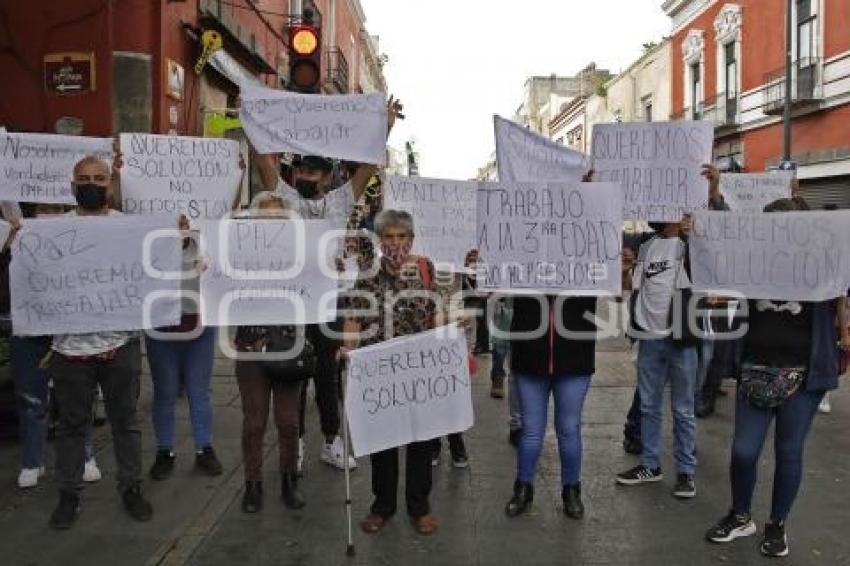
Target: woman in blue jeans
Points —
{"points": [[560, 364], [788, 335], [183, 355]]}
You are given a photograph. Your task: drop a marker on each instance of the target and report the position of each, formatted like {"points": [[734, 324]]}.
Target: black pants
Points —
{"points": [[632, 429], [417, 480], [482, 330], [326, 380], [456, 445], [74, 385]]}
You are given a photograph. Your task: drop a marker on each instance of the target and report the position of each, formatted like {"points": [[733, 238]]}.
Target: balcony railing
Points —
{"points": [[337, 70], [721, 110], [690, 113], [806, 85]]}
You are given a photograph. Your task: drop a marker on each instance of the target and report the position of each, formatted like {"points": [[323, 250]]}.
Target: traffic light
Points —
{"points": [[305, 55]]}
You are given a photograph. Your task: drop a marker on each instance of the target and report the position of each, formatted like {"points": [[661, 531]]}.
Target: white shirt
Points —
{"points": [[335, 205], [658, 273]]}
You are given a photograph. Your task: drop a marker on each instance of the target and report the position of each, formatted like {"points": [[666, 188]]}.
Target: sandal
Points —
{"points": [[373, 523], [426, 524]]}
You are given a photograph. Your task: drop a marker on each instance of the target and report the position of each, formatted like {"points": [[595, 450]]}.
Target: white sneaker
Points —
{"points": [[91, 473], [300, 463], [824, 406], [333, 454], [29, 477]]}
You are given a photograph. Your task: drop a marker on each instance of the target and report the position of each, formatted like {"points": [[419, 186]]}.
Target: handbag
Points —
{"points": [[768, 387], [278, 340]]}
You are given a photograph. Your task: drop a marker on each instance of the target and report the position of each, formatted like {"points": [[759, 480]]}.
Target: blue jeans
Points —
{"points": [[569, 393], [658, 361], [793, 421], [500, 354], [192, 360]]}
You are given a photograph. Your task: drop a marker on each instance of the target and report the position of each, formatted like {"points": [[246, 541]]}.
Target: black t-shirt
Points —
{"points": [[780, 333]]}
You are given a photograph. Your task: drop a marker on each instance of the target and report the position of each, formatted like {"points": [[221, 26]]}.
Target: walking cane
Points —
{"points": [[342, 380]]}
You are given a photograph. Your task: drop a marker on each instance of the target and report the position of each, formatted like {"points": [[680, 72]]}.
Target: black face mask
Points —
{"points": [[91, 196], [307, 189]]}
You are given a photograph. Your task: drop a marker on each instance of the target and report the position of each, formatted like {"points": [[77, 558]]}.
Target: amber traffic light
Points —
{"points": [[305, 59]]}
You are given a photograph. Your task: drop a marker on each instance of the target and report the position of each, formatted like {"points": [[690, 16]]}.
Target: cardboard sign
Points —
{"points": [[172, 175], [444, 215], [524, 156], [351, 126], [790, 256], [657, 164], [39, 167], [408, 389], [751, 192], [73, 275], [550, 238], [268, 272]]}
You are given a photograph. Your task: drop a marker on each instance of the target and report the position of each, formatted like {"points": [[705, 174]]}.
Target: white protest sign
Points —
{"points": [[408, 389], [350, 126], [76, 274], [750, 192], [527, 157], [791, 256], [268, 272], [553, 239], [657, 164], [443, 213], [39, 167], [175, 175]]}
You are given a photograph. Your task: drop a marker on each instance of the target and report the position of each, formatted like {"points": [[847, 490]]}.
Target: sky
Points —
{"points": [[455, 63]]}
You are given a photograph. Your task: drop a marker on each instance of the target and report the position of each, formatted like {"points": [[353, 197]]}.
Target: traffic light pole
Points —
{"points": [[786, 114]]}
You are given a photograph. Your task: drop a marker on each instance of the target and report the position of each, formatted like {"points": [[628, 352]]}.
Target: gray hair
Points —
{"points": [[266, 197], [393, 219]]}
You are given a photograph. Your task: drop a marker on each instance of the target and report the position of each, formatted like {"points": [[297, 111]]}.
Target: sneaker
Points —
{"points": [[66, 513], [775, 543], [29, 477], [435, 455], [163, 465], [640, 474], [299, 465], [207, 462], [333, 453], [460, 459], [825, 407], [497, 389], [137, 506], [730, 527], [685, 487], [91, 473]]}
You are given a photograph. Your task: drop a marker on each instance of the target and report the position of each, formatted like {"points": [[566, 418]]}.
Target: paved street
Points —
{"points": [[198, 520]]}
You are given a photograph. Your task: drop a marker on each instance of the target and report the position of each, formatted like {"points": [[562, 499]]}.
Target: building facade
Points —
{"points": [[728, 66]]}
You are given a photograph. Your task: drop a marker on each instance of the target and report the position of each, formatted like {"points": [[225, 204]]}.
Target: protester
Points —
{"points": [[183, 355], [261, 383], [79, 362], [790, 361], [417, 310]]}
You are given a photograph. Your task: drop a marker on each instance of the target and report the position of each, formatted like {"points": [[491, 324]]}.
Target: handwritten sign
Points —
{"points": [[72, 275], [551, 238], [175, 175], [351, 126], [525, 156], [657, 164], [792, 256], [444, 216], [268, 272], [751, 192], [408, 389], [39, 167]]}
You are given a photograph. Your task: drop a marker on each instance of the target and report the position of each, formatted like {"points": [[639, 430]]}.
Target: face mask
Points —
{"points": [[307, 189], [396, 254], [91, 196]]}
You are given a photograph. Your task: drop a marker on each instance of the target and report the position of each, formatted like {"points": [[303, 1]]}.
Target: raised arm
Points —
{"points": [[365, 171]]}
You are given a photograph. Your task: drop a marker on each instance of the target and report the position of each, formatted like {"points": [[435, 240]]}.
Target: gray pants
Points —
{"points": [[74, 388]]}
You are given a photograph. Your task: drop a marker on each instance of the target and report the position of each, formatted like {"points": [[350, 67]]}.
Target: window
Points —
{"points": [[332, 23], [647, 108], [696, 90], [731, 71], [805, 33]]}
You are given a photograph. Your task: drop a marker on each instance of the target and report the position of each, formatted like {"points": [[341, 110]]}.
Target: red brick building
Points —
{"points": [[729, 66]]}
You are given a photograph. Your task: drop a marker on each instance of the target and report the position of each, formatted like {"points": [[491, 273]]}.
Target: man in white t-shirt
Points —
{"points": [[79, 363]]}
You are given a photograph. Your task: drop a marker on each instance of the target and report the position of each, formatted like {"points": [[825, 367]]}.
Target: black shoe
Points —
{"points": [[514, 436], [730, 527], [289, 491], [705, 408], [207, 462], [685, 487], [632, 446], [521, 501], [163, 466], [460, 459], [66, 513], [136, 506], [775, 543], [640, 474], [571, 496], [252, 499]]}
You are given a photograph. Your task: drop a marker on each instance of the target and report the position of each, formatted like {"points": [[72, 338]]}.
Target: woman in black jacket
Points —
{"points": [[553, 344]]}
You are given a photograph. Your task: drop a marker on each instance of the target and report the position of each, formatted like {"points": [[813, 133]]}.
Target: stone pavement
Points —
{"points": [[198, 520]]}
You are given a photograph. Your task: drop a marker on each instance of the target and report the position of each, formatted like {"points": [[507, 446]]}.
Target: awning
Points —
{"points": [[231, 69]]}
